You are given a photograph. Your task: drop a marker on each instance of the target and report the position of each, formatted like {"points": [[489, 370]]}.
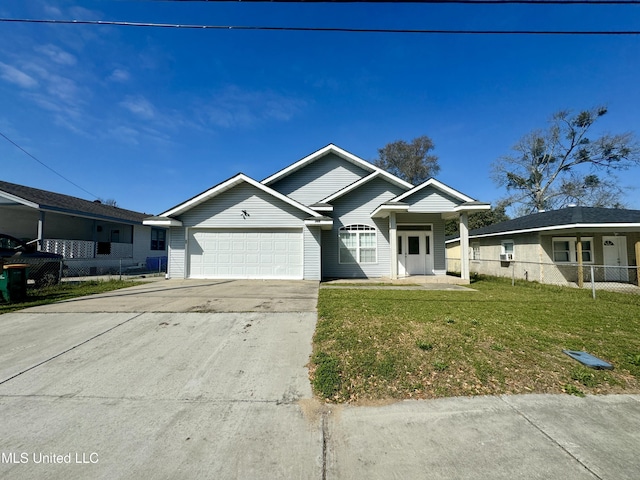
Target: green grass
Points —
{"points": [[499, 339], [64, 291]]}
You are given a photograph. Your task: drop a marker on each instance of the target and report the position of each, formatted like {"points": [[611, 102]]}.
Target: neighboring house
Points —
{"points": [[544, 246], [329, 215], [82, 231]]}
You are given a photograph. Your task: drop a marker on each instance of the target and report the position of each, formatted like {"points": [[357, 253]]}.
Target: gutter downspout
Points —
{"points": [[464, 247]]}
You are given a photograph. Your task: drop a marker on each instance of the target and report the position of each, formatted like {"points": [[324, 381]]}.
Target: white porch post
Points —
{"points": [[464, 247], [40, 231], [393, 245]]}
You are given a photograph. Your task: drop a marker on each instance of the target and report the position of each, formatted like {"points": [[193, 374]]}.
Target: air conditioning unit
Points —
{"points": [[506, 257]]}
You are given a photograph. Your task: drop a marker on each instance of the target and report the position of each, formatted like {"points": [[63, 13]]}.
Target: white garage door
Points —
{"points": [[263, 253]]}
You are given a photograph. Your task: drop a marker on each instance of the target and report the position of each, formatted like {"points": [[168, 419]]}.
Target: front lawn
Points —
{"points": [[64, 291], [380, 344]]}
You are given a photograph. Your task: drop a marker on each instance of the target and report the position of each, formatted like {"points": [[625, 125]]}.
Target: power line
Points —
{"points": [[468, 2], [45, 165], [321, 29]]}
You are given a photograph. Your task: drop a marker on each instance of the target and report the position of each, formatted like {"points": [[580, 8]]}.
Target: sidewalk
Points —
{"points": [[507, 437]]}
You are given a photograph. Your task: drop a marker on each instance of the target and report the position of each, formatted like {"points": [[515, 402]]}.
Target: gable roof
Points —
{"points": [[14, 194], [226, 185], [432, 182], [570, 217], [331, 148], [399, 203], [359, 183]]}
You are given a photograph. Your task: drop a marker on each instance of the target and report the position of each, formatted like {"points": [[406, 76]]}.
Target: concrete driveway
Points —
{"points": [[198, 296], [169, 380]]}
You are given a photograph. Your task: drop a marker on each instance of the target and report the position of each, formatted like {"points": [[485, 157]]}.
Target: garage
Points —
{"points": [[251, 253]]}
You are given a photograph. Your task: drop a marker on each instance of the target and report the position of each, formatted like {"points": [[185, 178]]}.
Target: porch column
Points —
{"points": [[464, 247], [40, 231], [393, 245], [580, 266]]}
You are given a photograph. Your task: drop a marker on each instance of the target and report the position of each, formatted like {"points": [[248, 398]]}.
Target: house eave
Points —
{"points": [[470, 207], [162, 222], [384, 210], [91, 216], [319, 207], [582, 227], [15, 200], [325, 223], [467, 207]]}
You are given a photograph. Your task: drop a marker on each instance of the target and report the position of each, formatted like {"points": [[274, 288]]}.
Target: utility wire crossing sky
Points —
{"points": [[201, 90]]}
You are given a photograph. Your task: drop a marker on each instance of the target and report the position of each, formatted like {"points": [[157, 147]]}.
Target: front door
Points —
{"points": [[615, 259], [414, 254]]}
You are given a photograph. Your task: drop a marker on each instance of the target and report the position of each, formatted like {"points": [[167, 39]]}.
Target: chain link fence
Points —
{"points": [[622, 279], [48, 271]]}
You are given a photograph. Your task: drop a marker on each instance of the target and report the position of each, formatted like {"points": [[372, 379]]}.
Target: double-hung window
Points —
{"points": [[475, 251], [507, 247], [565, 250], [357, 244], [158, 239]]}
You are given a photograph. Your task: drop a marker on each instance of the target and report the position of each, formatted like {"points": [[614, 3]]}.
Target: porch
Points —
{"points": [[419, 280], [87, 249]]}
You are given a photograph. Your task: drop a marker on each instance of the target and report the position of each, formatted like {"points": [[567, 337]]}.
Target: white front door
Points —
{"points": [[616, 263], [414, 254]]}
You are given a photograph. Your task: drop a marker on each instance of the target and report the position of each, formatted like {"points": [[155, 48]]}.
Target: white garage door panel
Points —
{"points": [[245, 254]]}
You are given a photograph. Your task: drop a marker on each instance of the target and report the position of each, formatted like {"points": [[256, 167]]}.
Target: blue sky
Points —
{"points": [[150, 116]]}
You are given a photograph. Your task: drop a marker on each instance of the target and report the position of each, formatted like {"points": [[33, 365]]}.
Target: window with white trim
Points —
{"points": [[507, 247], [357, 244], [158, 239], [565, 250], [475, 251]]}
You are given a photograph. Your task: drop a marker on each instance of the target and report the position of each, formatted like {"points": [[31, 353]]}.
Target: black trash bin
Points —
{"points": [[15, 279]]}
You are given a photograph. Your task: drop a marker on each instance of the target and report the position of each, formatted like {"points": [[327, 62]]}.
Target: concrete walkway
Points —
{"points": [[124, 386], [508, 437]]}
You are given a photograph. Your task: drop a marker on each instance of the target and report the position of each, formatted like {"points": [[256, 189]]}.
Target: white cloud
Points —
{"points": [[52, 11], [139, 106], [125, 135], [56, 54], [82, 13], [119, 75], [63, 88], [60, 87], [236, 107], [17, 77]]}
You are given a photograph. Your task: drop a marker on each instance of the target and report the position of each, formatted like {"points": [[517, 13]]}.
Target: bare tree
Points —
{"points": [[109, 201], [561, 165]]}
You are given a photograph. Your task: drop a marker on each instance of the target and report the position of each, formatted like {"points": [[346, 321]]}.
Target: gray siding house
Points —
{"points": [[87, 233], [328, 215]]}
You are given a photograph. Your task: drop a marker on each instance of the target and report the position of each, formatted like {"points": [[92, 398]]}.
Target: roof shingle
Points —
{"points": [[68, 204], [565, 216]]}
